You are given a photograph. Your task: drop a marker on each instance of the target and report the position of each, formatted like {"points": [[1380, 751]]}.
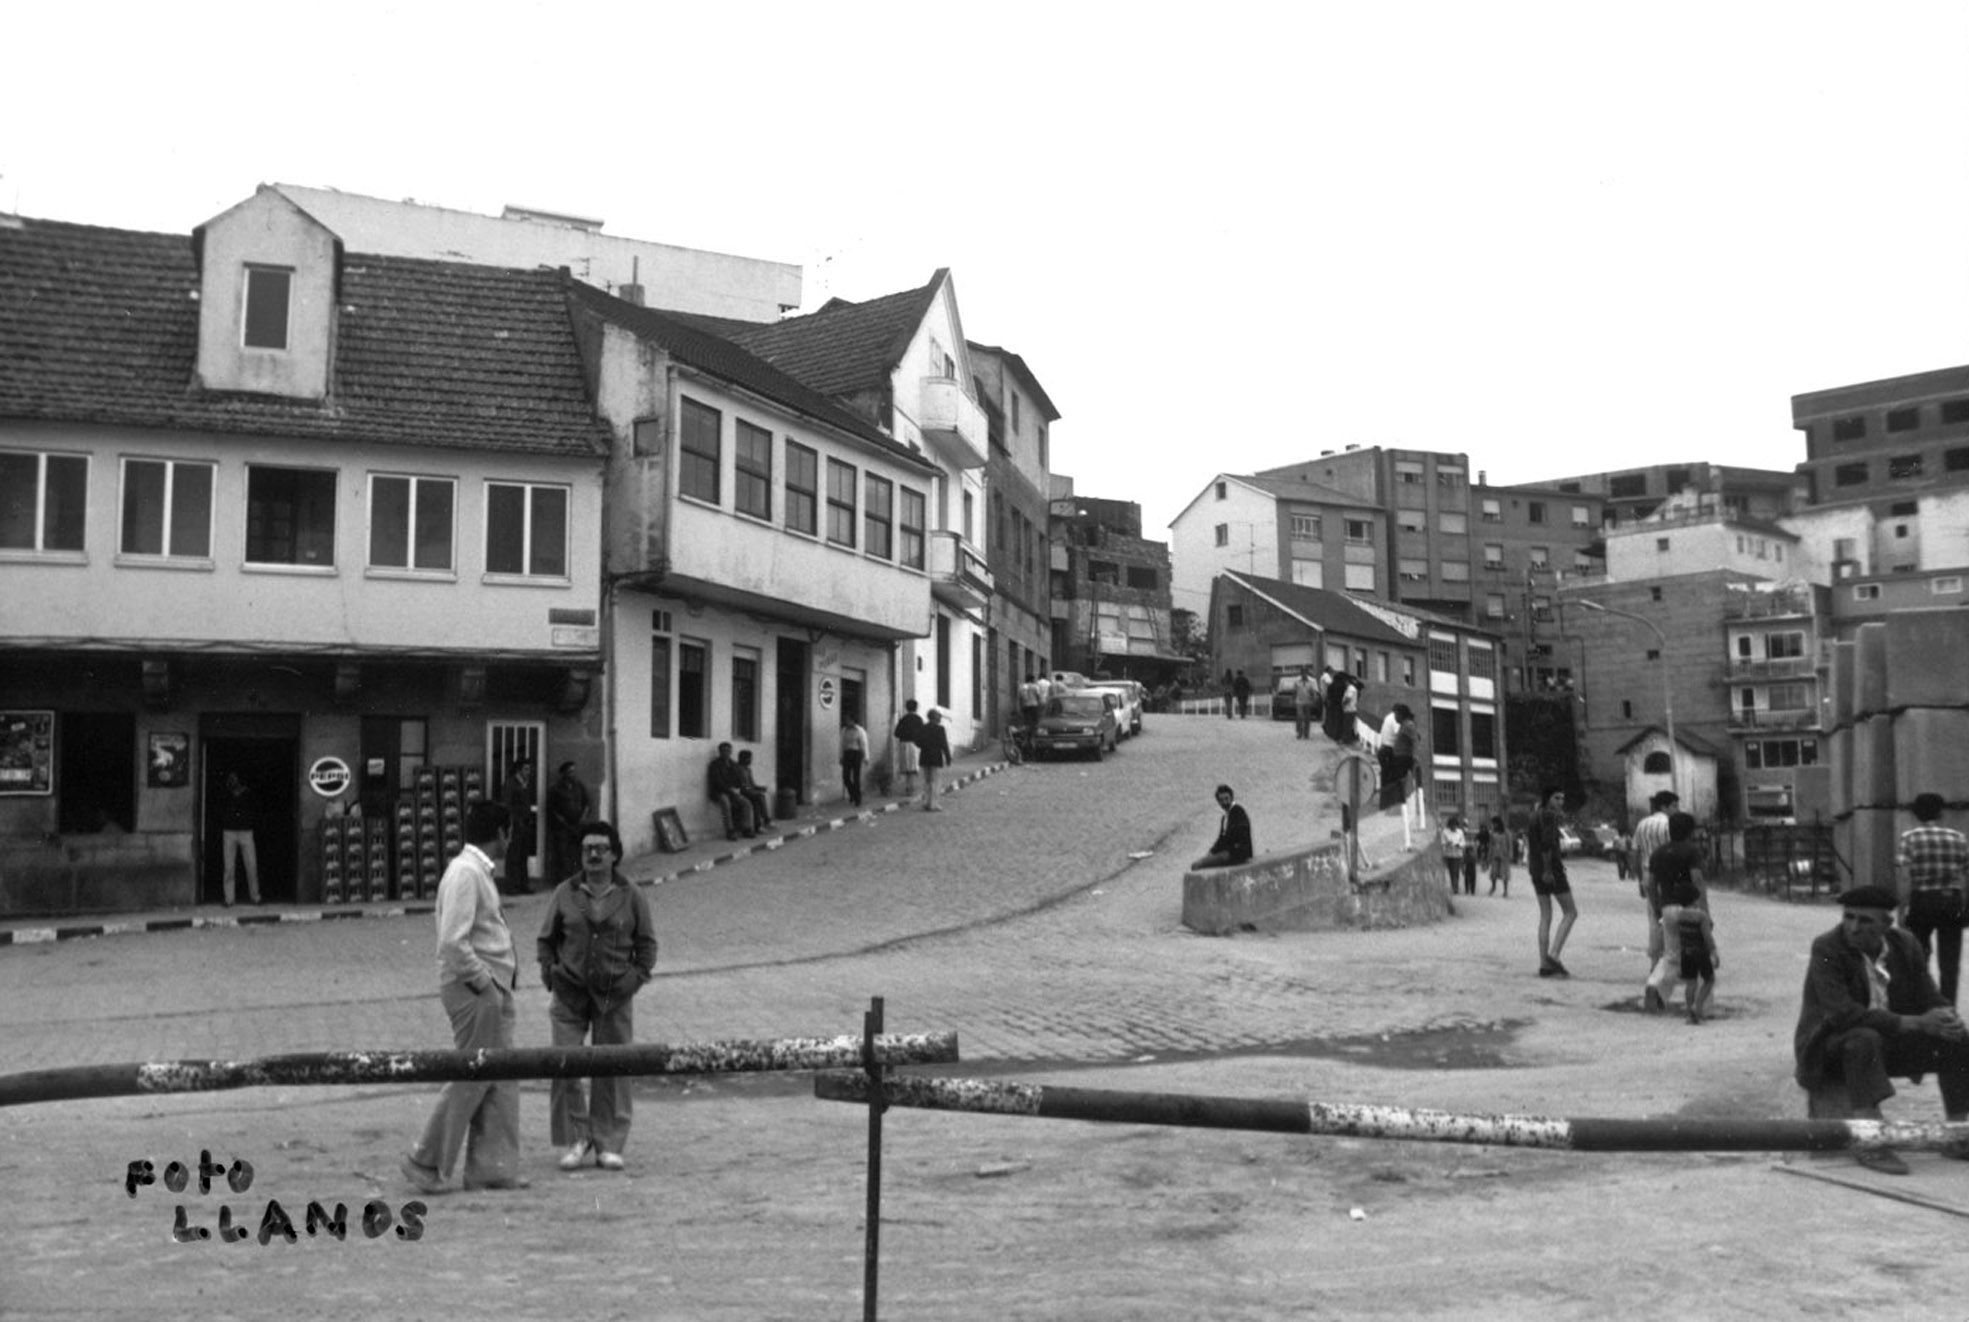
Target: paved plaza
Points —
{"points": [[1038, 919]]}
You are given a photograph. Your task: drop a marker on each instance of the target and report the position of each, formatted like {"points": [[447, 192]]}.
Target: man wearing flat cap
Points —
{"points": [[1871, 1013]]}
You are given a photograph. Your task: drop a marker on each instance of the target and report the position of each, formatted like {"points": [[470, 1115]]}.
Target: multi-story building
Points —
{"points": [[768, 557], [1018, 480], [273, 506], [1424, 499], [902, 362], [1529, 539], [1447, 672], [1684, 571], [1111, 609], [1632, 494], [1885, 442], [1776, 640], [1278, 527], [638, 270]]}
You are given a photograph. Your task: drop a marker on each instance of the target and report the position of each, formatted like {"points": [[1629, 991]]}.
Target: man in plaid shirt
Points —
{"points": [[1932, 865]]}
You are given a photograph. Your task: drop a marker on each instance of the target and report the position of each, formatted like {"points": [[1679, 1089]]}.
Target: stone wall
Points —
{"points": [[1307, 891]]}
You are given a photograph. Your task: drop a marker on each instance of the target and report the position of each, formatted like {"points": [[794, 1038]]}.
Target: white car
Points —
{"points": [[1128, 694]]}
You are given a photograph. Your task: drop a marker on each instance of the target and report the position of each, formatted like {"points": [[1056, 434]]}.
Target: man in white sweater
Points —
{"points": [[477, 971]]}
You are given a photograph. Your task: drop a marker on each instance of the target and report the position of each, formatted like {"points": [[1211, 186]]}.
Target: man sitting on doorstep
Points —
{"points": [[727, 791], [1870, 1013]]}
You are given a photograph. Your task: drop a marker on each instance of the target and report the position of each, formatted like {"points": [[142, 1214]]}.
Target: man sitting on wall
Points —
{"points": [[752, 791], [728, 792]]}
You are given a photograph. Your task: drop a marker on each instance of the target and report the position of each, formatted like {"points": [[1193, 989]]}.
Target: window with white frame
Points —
{"points": [[1308, 573], [1360, 532], [911, 523], [263, 319], [290, 516], [1490, 510], [840, 503], [802, 488], [167, 509], [1494, 605], [1582, 516], [1785, 646], [752, 469], [1788, 697], [1946, 585], [1442, 654], [410, 522], [1412, 520], [1360, 578], [1538, 557], [878, 513], [699, 463], [1483, 662], [745, 694], [526, 530], [1412, 570], [1305, 527], [1493, 555], [1446, 794], [43, 500]]}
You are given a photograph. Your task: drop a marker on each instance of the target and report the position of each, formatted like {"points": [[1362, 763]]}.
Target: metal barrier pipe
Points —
{"points": [[995, 1097], [353, 1067]]}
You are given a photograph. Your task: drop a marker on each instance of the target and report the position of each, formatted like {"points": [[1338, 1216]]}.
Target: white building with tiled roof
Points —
{"points": [[275, 506]]}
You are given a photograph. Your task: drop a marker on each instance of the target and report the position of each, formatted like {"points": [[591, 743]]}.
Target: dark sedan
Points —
{"points": [[1077, 723]]}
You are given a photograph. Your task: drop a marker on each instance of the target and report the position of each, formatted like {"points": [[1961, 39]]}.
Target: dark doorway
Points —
{"points": [[854, 689], [790, 719], [96, 772], [270, 766], [393, 750]]}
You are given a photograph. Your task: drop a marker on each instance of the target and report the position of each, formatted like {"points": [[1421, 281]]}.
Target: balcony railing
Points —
{"points": [[1791, 667], [953, 422], [959, 575], [1767, 605], [1806, 719]]}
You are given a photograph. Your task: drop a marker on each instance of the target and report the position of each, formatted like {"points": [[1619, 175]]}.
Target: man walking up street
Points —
{"points": [[1652, 834], [477, 972], [1932, 867], [1302, 704], [597, 949], [934, 740]]}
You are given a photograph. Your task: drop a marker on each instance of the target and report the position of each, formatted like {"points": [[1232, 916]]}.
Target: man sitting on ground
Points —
{"points": [[727, 791], [1871, 1013]]}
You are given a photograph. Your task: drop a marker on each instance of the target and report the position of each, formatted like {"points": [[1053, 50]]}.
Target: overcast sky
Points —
{"points": [[1560, 238]]}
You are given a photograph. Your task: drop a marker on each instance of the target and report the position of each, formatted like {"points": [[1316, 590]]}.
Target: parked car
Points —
{"points": [[1078, 722], [1600, 840], [1129, 694]]}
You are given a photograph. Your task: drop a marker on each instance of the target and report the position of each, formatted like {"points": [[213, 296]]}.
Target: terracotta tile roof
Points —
{"points": [[845, 347], [686, 341], [1334, 612], [101, 326]]}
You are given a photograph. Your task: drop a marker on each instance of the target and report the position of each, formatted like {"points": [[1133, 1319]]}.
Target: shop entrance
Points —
{"points": [[267, 760], [790, 720]]}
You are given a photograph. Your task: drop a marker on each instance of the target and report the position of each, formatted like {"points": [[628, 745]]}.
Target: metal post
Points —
{"points": [[877, 1102]]}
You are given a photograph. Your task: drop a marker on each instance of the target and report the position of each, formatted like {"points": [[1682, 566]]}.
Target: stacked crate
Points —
{"points": [[430, 826], [374, 841], [344, 860]]}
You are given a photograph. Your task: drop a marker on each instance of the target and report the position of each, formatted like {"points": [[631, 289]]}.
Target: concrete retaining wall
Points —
{"points": [[1307, 891], [1900, 727]]}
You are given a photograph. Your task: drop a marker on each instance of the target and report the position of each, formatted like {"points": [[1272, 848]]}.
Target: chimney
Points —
{"points": [[633, 291]]}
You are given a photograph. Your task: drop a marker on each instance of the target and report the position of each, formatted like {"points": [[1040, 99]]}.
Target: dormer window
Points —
{"points": [[269, 292]]}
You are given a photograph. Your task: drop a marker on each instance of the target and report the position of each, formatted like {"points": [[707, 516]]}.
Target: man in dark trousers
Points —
{"points": [[727, 789], [517, 794], [1871, 1012], [1241, 690], [236, 818], [1233, 843], [1931, 865], [567, 808]]}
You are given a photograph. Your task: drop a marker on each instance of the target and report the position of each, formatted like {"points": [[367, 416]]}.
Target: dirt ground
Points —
{"points": [[747, 1196]]}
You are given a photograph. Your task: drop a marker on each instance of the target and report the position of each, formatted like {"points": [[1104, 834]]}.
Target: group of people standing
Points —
{"points": [[596, 949], [1486, 851]]}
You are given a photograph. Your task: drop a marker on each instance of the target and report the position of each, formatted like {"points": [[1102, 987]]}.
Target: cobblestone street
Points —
{"points": [[1022, 919]]}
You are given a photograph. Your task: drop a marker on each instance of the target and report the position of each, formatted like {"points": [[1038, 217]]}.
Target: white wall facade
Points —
{"points": [[686, 279], [1643, 551], [341, 603], [1250, 521]]}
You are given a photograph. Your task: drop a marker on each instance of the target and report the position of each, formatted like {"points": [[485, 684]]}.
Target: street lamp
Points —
{"points": [[1667, 690]]}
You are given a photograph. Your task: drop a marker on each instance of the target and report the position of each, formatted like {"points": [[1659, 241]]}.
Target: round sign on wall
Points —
{"points": [[328, 777], [827, 693]]}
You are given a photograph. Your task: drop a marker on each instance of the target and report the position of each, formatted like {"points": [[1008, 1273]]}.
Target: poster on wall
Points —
{"points": [[27, 752], [170, 760]]}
